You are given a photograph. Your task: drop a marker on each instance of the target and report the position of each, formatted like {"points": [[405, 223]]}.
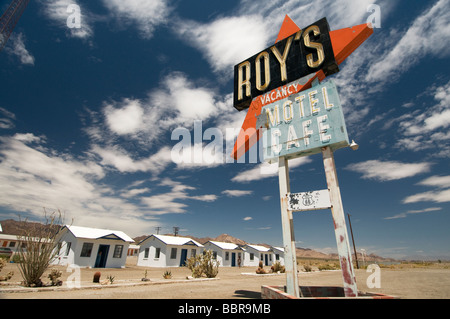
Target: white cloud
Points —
{"points": [[146, 14], [33, 177], [439, 196], [123, 162], [6, 118], [388, 170], [124, 120], [427, 37], [57, 10], [265, 170], [247, 218], [16, 47], [427, 127], [236, 192], [438, 181], [226, 41], [169, 202], [417, 211]]}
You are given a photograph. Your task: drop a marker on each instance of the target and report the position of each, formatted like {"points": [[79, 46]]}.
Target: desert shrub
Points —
{"points": [[328, 266], [277, 267], [9, 275], [167, 274], [307, 268], [203, 264], [38, 249], [260, 269], [54, 277]]}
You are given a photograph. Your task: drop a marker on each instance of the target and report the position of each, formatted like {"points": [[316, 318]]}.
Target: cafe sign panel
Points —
{"points": [[303, 123]]}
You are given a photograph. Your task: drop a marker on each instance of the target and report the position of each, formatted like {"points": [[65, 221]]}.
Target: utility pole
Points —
{"points": [[158, 228], [175, 230], [353, 240]]}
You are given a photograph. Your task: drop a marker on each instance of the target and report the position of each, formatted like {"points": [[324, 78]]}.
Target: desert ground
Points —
{"points": [[411, 281]]}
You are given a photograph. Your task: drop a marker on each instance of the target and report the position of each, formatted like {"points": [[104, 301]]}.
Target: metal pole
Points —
{"points": [[353, 240], [290, 259], [340, 230]]}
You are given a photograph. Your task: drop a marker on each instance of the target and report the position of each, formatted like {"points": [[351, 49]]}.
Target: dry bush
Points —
{"points": [[37, 248]]}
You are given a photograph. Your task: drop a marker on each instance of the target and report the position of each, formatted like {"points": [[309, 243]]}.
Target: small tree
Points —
{"points": [[38, 248]]}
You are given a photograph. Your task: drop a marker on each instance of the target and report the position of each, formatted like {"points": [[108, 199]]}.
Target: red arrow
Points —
{"points": [[344, 42]]}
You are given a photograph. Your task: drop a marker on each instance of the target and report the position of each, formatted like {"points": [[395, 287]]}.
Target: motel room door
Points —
{"points": [[183, 257], [102, 256]]}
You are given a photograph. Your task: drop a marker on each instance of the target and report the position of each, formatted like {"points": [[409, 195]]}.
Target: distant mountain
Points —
{"points": [[21, 228]]}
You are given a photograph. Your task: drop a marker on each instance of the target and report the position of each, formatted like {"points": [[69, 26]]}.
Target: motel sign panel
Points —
{"points": [[303, 123]]}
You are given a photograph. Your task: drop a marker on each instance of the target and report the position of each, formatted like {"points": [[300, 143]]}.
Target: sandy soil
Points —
{"points": [[232, 283]]}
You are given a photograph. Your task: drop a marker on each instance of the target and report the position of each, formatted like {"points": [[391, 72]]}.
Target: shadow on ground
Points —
{"points": [[247, 294]]}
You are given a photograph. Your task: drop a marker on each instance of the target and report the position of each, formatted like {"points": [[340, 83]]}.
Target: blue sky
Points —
{"points": [[87, 115]]}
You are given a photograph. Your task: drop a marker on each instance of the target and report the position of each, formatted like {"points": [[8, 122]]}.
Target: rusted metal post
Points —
{"points": [[290, 258], [340, 229]]}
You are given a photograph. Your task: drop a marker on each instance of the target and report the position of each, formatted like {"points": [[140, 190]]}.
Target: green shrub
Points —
{"points": [[203, 264]]}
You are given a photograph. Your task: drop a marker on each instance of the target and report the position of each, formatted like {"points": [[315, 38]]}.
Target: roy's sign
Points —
{"points": [[303, 53], [303, 123]]}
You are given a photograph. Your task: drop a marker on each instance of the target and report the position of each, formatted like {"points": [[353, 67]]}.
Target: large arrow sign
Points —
{"points": [[303, 53], [344, 42]]}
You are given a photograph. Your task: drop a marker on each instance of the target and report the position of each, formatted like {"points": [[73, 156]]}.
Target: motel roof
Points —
{"points": [[174, 240], [97, 233]]}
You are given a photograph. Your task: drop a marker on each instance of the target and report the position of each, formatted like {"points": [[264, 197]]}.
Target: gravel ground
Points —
{"points": [[231, 283]]}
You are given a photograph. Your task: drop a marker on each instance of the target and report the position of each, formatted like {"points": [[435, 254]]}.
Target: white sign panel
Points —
{"points": [[312, 200]]}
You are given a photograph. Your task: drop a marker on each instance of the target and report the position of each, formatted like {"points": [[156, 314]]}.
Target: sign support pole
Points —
{"points": [[340, 229], [290, 258]]}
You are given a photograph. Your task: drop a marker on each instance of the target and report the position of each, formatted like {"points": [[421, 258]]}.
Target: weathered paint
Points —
{"points": [[303, 123], [340, 229], [344, 42], [314, 292], [313, 200], [287, 223]]}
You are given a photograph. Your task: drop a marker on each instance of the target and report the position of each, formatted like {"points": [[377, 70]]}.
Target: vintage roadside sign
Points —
{"points": [[313, 200], [303, 123], [296, 56], [344, 42]]}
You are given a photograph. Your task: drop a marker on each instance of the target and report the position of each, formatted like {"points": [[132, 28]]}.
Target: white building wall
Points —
{"points": [[257, 257], [222, 255], [76, 246], [164, 259]]}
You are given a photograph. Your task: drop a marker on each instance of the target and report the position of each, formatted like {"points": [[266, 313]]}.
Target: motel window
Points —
{"points": [[173, 253], [227, 256], [68, 245], [252, 256], [118, 251], [157, 252], [146, 252], [277, 256], [193, 252], [86, 250], [12, 244]]}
